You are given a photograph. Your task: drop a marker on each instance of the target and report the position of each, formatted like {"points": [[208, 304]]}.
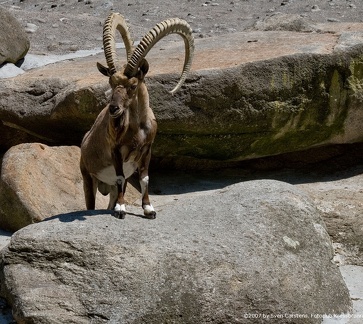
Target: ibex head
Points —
{"points": [[124, 91], [136, 68]]}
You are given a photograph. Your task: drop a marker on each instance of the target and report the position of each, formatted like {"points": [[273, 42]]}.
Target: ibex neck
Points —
{"points": [[140, 105]]}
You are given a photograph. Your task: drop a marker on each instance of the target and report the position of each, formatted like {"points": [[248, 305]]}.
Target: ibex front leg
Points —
{"points": [[121, 182], [144, 183]]}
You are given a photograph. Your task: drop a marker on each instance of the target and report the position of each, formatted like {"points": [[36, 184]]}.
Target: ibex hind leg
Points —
{"points": [[89, 189]]}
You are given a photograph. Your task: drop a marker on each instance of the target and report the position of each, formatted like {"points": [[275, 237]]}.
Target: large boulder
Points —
{"points": [[251, 94], [56, 108], [14, 42], [239, 254], [38, 181]]}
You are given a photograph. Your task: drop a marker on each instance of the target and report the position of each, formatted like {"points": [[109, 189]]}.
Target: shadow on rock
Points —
{"points": [[84, 214], [78, 215]]}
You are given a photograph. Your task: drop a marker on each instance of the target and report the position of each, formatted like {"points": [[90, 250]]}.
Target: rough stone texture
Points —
{"points": [[56, 109], [38, 181], [264, 93], [288, 22], [267, 107], [253, 247], [339, 197], [14, 42]]}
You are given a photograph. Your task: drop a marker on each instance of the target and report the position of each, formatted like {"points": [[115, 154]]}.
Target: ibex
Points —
{"points": [[119, 142]]}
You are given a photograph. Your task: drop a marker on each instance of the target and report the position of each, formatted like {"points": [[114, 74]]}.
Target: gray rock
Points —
{"points": [[38, 181], [14, 43], [349, 39], [31, 28], [288, 22], [257, 247], [335, 20], [43, 109]]}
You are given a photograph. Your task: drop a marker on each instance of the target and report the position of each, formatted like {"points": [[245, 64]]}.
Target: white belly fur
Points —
{"points": [[108, 175]]}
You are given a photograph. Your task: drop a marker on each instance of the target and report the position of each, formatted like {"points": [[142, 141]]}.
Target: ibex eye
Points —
{"points": [[133, 87]]}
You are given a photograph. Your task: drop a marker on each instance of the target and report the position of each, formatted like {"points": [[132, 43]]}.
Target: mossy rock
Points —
{"points": [[264, 108]]}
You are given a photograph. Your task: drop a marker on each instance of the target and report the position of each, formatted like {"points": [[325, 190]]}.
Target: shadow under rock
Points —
{"points": [[322, 164], [5, 233]]}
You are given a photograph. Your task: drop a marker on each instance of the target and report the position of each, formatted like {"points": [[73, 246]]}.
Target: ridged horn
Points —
{"points": [[166, 27], [114, 22]]}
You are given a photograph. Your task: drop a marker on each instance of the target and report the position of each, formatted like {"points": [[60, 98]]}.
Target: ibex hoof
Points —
{"points": [[119, 214], [150, 215], [149, 211]]}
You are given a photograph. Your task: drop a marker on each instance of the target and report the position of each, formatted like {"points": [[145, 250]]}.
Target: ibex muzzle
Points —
{"points": [[119, 142], [116, 107]]}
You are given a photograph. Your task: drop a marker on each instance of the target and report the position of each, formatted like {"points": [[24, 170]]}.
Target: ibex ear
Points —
{"points": [[143, 69], [104, 70]]}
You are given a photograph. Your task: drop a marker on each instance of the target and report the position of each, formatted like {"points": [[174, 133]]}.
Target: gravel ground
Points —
{"points": [[64, 26]]}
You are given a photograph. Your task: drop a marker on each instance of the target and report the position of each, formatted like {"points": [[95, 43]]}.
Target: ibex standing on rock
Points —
{"points": [[119, 142]]}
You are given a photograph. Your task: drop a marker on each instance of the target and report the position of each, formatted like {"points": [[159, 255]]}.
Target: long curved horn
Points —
{"points": [[169, 26], [115, 22]]}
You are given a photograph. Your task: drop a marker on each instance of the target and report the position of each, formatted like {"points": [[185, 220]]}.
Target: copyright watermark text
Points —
{"points": [[296, 316]]}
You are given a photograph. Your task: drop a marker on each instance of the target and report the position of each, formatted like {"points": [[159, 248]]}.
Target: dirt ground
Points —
{"points": [[62, 26]]}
